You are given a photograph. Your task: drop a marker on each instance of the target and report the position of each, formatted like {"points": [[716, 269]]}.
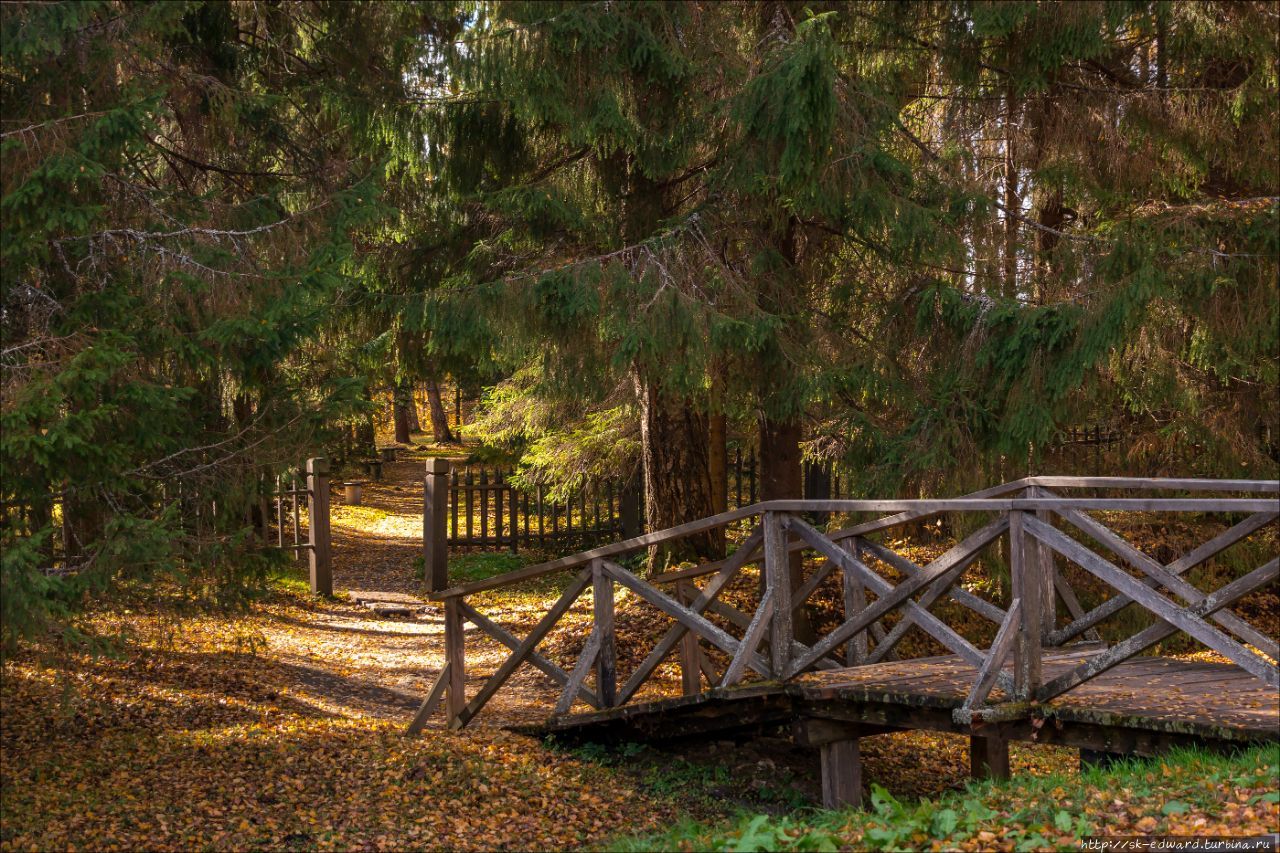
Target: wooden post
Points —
{"points": [[777, 572], [1045, 571], [606, 660], [855, 601], [988, 757], [455, 659], [318, 525], [435, 531], [1024, 570], [690, 682], [841, 774]]}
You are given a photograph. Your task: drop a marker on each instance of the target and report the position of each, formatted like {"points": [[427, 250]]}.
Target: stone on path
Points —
{"points": [[388, 603]]}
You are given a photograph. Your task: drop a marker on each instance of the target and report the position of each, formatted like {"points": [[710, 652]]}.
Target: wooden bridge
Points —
{"points": [[1046, 676]]}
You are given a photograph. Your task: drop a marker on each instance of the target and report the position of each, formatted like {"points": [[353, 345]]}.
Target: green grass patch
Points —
{"points": [[1159, 795], [291, 577], [479, 565]]}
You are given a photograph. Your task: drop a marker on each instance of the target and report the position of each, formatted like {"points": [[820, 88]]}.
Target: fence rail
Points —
{"points": [[1042, 531]]}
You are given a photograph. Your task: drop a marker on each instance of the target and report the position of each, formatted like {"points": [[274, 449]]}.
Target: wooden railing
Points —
{"points": [[1022, 513]]}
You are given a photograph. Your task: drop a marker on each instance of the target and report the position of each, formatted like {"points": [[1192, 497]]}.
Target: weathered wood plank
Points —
{"points": [[1169, 580], [1027, 657], [574, 560], [577, 679], [963, 597], [668, 642], [855, 600], [1153, 634], [545, 624], [841, 769], [695, 622], [996, 656], [821, 573], [606, 660], [455, 658], [690, 678], [892, 596], [428, 706], [1181, 485], [777, 570], [1183, 564], [905, 508], [511, 641], [988, 757], [944, 585], [750, 641], [1185, 620]]}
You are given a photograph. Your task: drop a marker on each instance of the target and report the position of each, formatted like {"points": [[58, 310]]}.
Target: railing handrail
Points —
{"points": [[912, 509]]}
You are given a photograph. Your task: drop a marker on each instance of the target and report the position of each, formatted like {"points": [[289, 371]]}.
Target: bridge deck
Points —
{"points": [[1141, 706]]}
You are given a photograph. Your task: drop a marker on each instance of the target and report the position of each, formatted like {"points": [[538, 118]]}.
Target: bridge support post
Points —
{"points": [[840, 760], [988, 757], [841, 774]]}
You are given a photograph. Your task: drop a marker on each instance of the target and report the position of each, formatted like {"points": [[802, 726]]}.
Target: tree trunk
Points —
{"points": [[366, 433], [780, 479], [718, 466], [400, 411], [1012, 202], [677, 475], [440, 431], [415, 425]]}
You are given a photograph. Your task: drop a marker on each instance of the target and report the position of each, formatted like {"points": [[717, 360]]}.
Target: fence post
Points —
{"points": [[318, 526], [606, 661], [777, 572], [435, 530], [1024, 568]]}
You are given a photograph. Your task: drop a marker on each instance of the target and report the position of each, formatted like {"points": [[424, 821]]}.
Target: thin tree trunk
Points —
{"points": [[440, 431], [1012, 203], [415, 425], [400, 411]]}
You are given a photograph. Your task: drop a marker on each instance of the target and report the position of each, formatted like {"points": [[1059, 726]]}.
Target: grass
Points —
{"points": [[1185, 792], [478, 565]]}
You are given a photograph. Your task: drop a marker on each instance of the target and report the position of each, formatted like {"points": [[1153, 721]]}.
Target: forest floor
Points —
{"points": [[282, 728]]}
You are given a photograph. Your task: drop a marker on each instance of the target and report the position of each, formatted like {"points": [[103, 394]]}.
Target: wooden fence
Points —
{"points": [[311, 485], [1035, 524], [485, 510]]}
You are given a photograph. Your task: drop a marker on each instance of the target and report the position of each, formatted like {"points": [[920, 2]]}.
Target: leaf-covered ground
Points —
{"points": [[281, 728]]}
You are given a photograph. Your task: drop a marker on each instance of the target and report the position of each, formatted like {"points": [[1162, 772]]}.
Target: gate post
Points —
{"points": [[435, 531], [318, 526]]}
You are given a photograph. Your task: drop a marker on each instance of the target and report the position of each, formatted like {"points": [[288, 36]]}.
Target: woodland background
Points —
{"points": [[919, 241]]}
